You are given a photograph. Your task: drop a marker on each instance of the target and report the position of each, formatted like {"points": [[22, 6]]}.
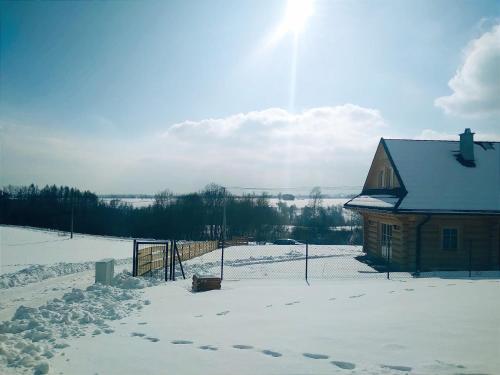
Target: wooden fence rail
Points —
{"points": [[155, 257]]}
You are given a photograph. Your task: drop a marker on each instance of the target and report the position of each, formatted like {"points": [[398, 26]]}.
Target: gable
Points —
{"points": [[381, 174]]}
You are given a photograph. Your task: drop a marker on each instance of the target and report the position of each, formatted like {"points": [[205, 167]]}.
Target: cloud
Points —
{"points": [[476, 84], [272, 147]]}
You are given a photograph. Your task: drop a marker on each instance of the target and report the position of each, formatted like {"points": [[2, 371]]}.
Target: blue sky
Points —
{"points": [[140, 96]]}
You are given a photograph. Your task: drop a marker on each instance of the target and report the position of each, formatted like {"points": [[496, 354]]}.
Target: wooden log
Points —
{"points": [[204, 283]]}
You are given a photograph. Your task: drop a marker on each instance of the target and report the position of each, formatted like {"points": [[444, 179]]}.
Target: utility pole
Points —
{"points": [[72, 213], [224, 218], [223, 236]]}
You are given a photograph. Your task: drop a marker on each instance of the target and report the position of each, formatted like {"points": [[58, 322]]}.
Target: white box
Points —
{"points": [[104, 271]]}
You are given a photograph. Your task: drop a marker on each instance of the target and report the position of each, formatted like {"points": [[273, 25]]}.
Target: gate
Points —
{"points": [[153, 257]]}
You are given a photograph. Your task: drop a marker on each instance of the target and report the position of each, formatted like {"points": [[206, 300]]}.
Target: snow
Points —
{"points": [[35, 333], [38, 272], [266, 319], [298, 202], [22, 247], [375, 201], [435, 180], [427, 326]]}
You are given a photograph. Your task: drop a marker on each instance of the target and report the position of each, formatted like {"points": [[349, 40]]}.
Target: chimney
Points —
{"points": [[467, 145]]}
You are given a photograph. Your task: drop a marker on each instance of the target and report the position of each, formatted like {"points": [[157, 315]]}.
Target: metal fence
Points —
{"points": [[304, 261], [233, 261]]}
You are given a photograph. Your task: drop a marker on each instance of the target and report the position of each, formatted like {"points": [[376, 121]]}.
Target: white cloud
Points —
{"points": [[273, 147], [476, 84]]}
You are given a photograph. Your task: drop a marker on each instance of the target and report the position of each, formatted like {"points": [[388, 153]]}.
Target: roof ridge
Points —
{"points": [[433, 140]]}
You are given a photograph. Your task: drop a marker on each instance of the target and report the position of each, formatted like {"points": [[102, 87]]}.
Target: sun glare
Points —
{"points": [[297, 13]]}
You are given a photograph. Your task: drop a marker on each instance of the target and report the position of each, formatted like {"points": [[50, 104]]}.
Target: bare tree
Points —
{"points": [[163, 198], [316, 199]]}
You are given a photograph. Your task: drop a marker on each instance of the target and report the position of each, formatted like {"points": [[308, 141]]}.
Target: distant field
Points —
{"points": [[300, 203]]}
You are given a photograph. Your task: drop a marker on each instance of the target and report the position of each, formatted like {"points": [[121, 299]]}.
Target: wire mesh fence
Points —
{"points": [[288, 262]]}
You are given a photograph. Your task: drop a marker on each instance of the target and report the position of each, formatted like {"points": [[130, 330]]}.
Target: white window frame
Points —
{"points": [[381, 179], [449, 227], [386, 240]]}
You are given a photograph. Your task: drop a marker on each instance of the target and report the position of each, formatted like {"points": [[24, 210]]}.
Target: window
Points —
{"points": [[386, 240], [450, 238], [388, 178], [381, 179]]}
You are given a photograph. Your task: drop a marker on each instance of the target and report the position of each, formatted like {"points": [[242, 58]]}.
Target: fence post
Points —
{"points": [[388, 258], [173, 260], [222, 261], [180, 262], [134, 257], [470, 258], [165, 261], [307, 257]]}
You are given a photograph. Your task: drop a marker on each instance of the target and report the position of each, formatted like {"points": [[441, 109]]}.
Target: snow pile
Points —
{"points": [[124, 280], [39, 272], [34, 334]]}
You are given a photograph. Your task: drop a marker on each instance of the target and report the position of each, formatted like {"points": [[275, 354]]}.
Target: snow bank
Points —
{"points": [[39, 272], [33, 335]]}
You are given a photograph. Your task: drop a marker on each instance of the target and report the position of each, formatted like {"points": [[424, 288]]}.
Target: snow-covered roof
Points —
{"points": [[375, 201], [435, 181]]}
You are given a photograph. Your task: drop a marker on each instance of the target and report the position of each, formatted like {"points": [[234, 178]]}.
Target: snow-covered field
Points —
{"points": [[299, 202], [257, 323], [21, 247]]}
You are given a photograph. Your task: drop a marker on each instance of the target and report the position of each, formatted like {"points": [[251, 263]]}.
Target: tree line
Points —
{"points": [[193, 216]]}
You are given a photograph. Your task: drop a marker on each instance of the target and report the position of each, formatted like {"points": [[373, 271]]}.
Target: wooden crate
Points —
{"points": [[204, 283]]}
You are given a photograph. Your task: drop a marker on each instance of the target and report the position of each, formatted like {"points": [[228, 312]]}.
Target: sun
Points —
{"points": [[296, 15]]}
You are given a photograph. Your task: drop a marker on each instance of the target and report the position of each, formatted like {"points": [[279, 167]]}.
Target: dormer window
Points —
{"points": [[386, 178], [381, 179]]}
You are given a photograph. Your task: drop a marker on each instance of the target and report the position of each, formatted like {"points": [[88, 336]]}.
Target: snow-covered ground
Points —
{"points": [[21, 247], [256, 324]]}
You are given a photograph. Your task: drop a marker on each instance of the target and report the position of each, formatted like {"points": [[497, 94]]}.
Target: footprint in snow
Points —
{"points": [[315, 356], [198, 316], [409, 289], [137, 334], [392, 291], [358, 295], [332, 299], [450, 284], [223, 313], [181, 342], [142, 323], [292, 303], [344, 365], [269, 305], [398, 368], [271, 353], [243, 346], [152, 339], [450, 364], [208, 347]]}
